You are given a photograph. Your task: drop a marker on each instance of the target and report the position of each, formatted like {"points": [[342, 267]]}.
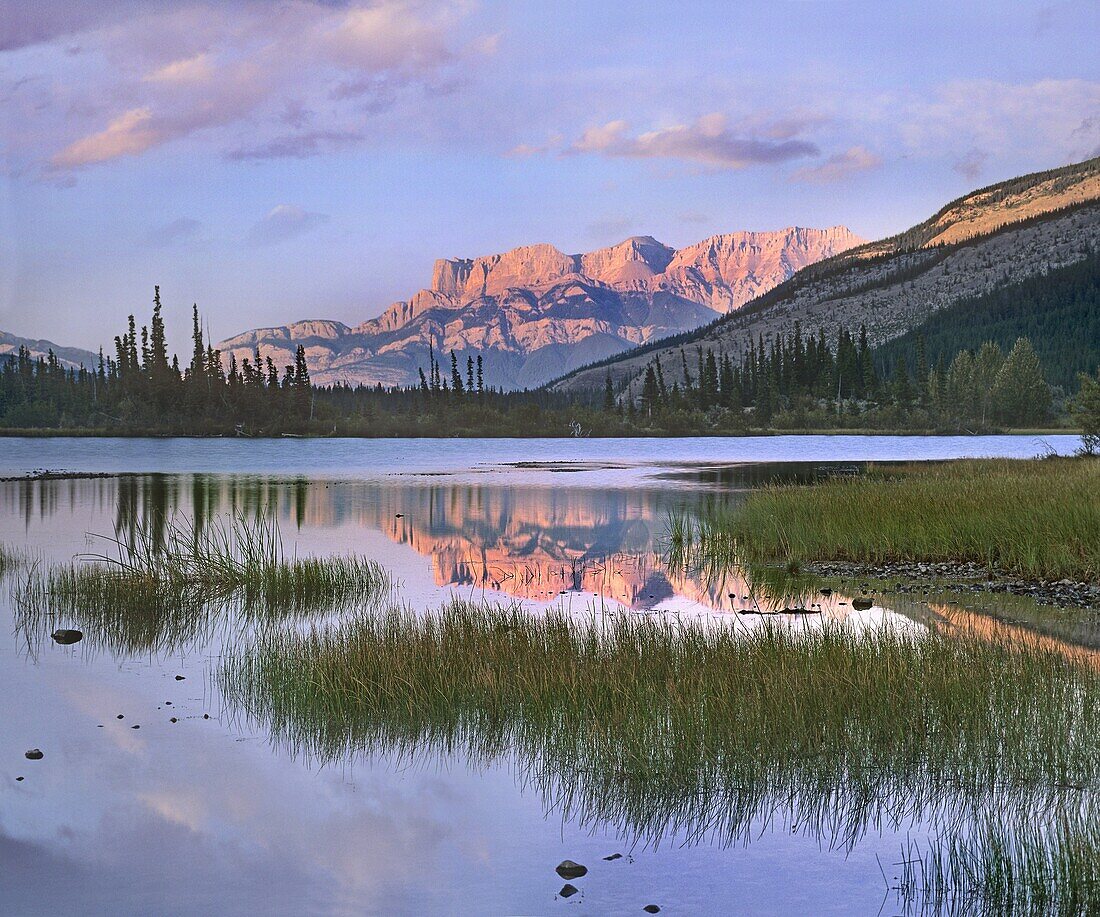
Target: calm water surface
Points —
{"points": [[211, 816]]}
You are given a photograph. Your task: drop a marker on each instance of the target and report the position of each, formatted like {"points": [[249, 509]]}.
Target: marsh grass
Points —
{"points": [[694, 728], [1005, 869], [1038, 518], [10, 560], [166, 582]]}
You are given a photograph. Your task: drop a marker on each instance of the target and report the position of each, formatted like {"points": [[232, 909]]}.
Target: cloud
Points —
{"points": [[387, 36], [839, 166], [611, 228], [1044, 117], [196, 69], [127, 135], [707, 141], [30, 23], [971, 164], [296, 146], [553, 141], [154, 74], [174, 231], [283, 222], [523, 150]]}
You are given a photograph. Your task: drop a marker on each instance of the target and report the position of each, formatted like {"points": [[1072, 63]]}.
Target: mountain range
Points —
{"points": [[540, 316], [535, 312], [990, 239], [70, 357]]}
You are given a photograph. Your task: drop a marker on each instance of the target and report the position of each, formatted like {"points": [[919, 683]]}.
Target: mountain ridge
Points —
{"points": [[1001, 233], [70, 357], [534, 311]]}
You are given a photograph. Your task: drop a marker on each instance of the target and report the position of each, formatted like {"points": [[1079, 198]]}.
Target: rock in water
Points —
{"points": [[614, 856], [567, 869], [36, 755], [67, 637], [568, 891], [862, 603], [651, 909]]}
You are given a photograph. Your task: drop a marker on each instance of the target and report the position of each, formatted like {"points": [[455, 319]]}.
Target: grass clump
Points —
{"points": [[1005, 869], [162, 582], [10, 560], [691, 727], [1036, 518]]}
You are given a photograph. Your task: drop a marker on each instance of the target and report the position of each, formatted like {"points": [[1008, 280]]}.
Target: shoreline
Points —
{"points": [[85, 433], [956, 576]]}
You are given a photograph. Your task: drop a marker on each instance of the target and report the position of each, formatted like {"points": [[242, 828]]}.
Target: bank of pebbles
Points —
{"points": [[953, 577]]}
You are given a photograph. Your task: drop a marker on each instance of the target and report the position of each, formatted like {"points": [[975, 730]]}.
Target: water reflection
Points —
{"points": [[516, 541], [438, 808]]}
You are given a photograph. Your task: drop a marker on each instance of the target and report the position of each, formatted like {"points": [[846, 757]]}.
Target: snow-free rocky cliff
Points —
{"points": [[535, 313]]}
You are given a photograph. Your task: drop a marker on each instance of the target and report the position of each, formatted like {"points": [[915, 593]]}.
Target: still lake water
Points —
{"points": [[210, 816]]}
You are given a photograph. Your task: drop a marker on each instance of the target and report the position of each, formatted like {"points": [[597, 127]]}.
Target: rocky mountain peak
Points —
{"points": [[535, 311]]}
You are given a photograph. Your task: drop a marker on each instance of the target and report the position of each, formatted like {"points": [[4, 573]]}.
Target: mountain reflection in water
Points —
{"points": [[514, 541], [615, 776]]}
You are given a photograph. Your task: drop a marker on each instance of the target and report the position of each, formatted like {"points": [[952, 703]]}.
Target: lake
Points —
{"points": [[218, 813]]}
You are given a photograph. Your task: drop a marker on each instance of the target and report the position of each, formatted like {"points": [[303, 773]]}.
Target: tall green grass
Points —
{"points": [[1005, 867], [10, 560], [660, 727], [165, 582], [1038, 518]]}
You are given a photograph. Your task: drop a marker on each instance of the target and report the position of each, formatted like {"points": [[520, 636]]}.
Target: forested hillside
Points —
{"points": [[1026, 227], [1059, 312]]}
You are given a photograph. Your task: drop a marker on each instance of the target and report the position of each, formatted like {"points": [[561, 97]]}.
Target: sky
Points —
{"points": [[276, 160]]}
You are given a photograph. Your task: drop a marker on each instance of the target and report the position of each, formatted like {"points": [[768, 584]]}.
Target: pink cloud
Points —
{"points": [[167, 73], [839, 166], [127, 135], [707, 141]]}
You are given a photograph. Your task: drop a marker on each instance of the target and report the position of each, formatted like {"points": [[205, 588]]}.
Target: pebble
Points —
{"points": [[567, 869], [568, 891], [967, 577], [651, 909], [33, 754]]}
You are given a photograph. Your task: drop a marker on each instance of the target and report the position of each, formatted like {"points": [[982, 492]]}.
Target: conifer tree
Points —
{"points": [[1020, 395], [456, 377]]}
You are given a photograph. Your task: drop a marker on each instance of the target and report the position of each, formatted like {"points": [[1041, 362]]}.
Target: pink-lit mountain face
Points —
{"points": [[535, 313]]}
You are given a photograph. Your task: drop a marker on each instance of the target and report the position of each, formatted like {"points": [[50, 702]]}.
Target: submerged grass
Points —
{"points": [[1036, 518], [999, 869], [162, 583], [703, 730], [10, 560]]}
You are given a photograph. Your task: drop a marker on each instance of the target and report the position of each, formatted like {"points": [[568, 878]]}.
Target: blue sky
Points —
{"points": [[282, 160]]}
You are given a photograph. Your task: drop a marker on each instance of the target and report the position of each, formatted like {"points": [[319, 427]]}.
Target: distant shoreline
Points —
{"points": [[37, 433]]}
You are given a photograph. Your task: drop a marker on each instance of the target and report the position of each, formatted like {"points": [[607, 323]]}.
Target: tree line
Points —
{"points": [[797, 382], [793, 381]]}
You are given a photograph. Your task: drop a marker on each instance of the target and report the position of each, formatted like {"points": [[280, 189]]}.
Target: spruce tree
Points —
{"points": [[1020, 395]]}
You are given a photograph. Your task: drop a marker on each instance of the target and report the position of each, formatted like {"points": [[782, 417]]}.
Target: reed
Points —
{"points": [[692, 728], [10, 560], [1004, 869], [1037, 518], [164, 583]]}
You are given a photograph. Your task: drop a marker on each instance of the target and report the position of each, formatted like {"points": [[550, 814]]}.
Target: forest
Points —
{"points": [[793, 382], [1058, 311]]}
